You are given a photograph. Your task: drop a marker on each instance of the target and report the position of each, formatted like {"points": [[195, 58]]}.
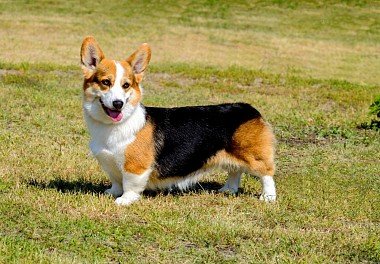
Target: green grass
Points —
{"points": [[52, 205]]}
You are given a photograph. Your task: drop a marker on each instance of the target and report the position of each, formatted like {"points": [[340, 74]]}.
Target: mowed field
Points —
{"points": [[310, 67]]}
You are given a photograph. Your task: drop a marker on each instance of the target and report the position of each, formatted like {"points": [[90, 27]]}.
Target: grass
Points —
{"points": [[310, 68], [333, 40]]}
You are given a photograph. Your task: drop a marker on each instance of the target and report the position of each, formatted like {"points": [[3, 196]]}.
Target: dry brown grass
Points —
{"points": [[307, 41]]}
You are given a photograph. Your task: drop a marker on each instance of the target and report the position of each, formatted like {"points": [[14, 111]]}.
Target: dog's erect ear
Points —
{"points": [[90, 55], [139, 61]]}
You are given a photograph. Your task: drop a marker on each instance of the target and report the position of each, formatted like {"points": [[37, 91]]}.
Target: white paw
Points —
{"points": [[114, 191], [228, 189], [127, 198], [268, 197], [269, 189]]}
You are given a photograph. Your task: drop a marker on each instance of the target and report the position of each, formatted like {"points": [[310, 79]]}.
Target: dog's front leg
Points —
{"points": [[133, 186], [107, 162]]}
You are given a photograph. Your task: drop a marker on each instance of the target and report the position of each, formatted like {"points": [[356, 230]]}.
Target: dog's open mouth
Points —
{"points": [[114, 114]]}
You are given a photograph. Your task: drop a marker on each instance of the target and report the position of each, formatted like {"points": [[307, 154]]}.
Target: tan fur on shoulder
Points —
{"points": [[139, 155]]}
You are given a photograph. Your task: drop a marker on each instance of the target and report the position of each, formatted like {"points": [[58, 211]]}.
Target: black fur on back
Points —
{"points": [[186, 137]]}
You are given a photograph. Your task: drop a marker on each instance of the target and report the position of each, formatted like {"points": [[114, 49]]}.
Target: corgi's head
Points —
{"points": [[112, 88]]}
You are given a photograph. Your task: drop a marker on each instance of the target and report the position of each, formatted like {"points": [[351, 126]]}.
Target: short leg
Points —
{"points": [[268, 189], [133, 186], [265, 171], [108, 164], [233, 182], [116, 189]]}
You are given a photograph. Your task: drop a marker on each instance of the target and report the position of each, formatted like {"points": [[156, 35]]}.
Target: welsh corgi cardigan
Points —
{"points": [[142, 147]]}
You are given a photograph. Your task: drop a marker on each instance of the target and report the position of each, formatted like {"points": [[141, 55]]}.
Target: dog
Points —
{"points": [[142, 147]]}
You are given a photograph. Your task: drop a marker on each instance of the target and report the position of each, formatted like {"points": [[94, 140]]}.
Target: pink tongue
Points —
{"points": [[115, 115]]}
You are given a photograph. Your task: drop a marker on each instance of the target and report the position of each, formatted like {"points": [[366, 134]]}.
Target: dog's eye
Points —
{"points": [[125, 85], [106, 82]]}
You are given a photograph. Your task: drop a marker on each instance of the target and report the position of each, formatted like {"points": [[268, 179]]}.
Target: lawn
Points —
{"points": [[311, 68]]}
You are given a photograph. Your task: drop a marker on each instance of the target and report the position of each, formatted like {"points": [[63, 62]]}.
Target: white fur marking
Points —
{"points": [[268, 189], [133, 185], [109, 165], [116, 92], [119, 74], [127, 198], [182, 183], [115, 137], [233, 182]]}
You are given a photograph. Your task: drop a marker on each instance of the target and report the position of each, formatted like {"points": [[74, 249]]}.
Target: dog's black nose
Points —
{"points": [[117, 104]]}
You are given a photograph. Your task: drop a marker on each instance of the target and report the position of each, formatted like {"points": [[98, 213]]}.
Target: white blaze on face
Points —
{"points": [[119, 83]]}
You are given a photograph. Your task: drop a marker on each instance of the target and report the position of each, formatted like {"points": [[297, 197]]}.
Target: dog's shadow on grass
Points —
{"points": [[98, 188], [66, 186]]}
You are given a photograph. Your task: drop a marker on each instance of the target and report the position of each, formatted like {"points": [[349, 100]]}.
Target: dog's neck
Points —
{"points": [[111, 135]]}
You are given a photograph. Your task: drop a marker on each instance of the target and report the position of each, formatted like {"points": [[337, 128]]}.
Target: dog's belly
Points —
{"points": [[180, 182]]}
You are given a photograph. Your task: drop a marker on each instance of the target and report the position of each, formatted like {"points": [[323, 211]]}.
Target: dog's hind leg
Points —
{"points": [[268, 192], [264, 168], [253, 145], [233, 182]]}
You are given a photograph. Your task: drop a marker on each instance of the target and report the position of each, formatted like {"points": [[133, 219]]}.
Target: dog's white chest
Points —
{"points": [[109, 142], [108, 146]]}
